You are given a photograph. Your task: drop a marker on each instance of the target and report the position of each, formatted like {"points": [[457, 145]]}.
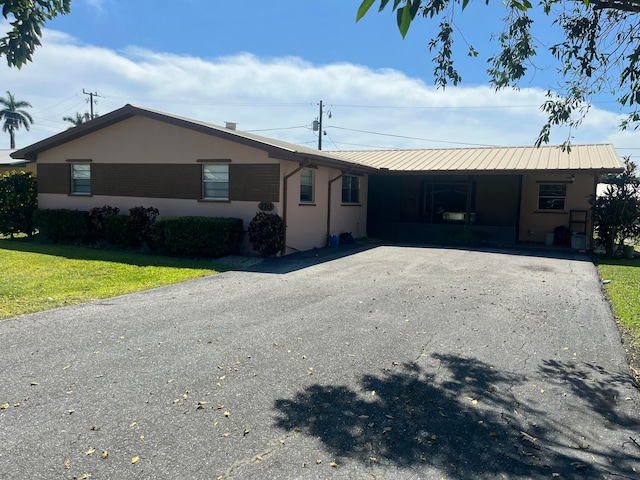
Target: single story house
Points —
{"points": [[140, 157], [135, 156]]}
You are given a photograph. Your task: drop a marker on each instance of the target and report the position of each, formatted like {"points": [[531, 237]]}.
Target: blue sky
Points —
{"points": [[265, 65]]}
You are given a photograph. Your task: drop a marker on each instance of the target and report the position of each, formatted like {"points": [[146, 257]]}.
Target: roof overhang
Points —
{"points": [[274, 148]]}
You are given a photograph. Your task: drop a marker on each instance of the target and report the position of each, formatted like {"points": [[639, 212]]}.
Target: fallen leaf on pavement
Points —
{"points": [[91, 451], [135, 459]]}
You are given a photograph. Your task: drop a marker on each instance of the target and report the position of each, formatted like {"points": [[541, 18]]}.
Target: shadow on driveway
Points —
{"points": [[462, 419]]}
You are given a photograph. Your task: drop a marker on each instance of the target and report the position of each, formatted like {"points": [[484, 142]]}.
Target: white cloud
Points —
{"points": [[278, 93]]}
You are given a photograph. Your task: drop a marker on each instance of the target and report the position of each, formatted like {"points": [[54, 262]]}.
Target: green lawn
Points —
{"points": [[623, 290], [36, 276]]}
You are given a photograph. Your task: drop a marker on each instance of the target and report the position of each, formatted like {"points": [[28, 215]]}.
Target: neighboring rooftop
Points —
{"points": [[7, 161]]}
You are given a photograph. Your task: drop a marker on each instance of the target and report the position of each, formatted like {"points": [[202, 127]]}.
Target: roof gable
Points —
{"points": [[600, 157], [275, 148]]}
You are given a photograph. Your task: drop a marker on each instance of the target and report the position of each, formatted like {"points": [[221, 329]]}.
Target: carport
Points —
{"points": [[502, 196], [444, 208]]}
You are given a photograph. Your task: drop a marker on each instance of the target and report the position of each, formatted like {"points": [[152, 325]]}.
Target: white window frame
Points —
{"points": [[548, 200], [307, 179], [350, 184], [80, 178], [220, 185]]}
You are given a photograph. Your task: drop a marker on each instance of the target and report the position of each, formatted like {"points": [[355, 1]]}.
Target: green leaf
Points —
{"points": [[414, 8], [364, 8], [404, 20]]}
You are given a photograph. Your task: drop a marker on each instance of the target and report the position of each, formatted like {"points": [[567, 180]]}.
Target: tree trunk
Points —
{"points": [[12, 134]]}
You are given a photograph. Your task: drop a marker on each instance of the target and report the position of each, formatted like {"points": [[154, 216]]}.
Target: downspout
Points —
{"points": [[285, 201], [342, 174]]}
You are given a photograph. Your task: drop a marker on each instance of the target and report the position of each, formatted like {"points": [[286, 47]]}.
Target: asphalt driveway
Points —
{"points": [[387, 362]]}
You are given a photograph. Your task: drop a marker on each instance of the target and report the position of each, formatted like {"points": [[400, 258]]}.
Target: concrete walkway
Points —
{"points": [[354, 363]]}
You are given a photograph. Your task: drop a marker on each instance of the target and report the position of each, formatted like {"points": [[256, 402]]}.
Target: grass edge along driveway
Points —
{"points": [[36, 276], [621, 280]]}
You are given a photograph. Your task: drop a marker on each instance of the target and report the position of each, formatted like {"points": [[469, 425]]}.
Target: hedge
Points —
{"points": [[61, 225], [199, 236]]}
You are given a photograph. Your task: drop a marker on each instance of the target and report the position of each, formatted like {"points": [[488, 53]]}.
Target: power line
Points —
{"points": [[432, 107], [363, 145], [273, 129], [414, 138]]}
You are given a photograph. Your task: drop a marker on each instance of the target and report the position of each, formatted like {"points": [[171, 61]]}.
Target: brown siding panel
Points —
{"points": [[147, 180], [257, 182], [247, 182], [54, 178]]}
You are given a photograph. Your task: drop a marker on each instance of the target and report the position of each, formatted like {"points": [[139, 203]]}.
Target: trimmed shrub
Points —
{"points": [[141, 222], [18, 201], [61, 225], [199, 236], [97, 220], [117, 230], [266, 233]]}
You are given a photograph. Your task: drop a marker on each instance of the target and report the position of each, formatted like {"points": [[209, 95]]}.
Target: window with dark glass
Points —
{"points": [[551, 196], [350, 189], [306, 185]]}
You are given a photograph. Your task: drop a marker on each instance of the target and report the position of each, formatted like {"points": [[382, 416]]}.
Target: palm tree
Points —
{"points": [[79, 119], [13, 116]]}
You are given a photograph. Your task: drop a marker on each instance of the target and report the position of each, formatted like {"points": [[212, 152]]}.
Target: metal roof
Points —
{"points": [[600, 157]]}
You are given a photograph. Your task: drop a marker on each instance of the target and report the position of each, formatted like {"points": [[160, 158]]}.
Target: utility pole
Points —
{"points": [[91, 100], [320, 126], [317, 126]]}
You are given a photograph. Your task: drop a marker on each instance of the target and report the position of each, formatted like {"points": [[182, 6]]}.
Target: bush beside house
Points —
{"points": [[18, 201], [193, 236], [266, 233], [62, 226], [616, 213], [199, 236]]}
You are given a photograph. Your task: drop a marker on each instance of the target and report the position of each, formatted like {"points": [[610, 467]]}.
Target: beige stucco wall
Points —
{"points": [[29, 167], [307, 223], [143, 140], [535, 223]]}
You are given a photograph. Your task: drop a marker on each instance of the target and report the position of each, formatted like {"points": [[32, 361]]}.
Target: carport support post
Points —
{"points": [[329, 204], [467, 216], [285, 201]]}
